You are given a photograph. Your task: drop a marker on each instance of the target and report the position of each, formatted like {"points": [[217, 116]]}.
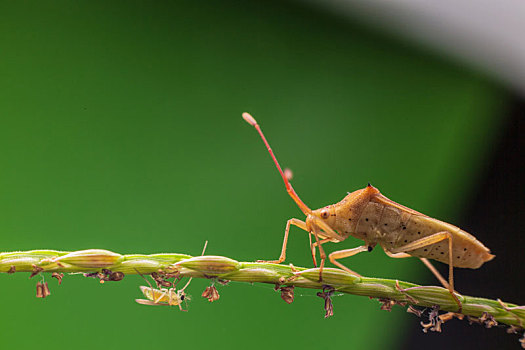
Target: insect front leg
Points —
{"points": [[315, 244], [322, 254], [429, 240], [321, 229], [296, 222]]}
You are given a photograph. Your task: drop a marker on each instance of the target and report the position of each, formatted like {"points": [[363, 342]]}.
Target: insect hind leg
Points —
{"points": [[425, 261], [427, 241], [436, 273]]}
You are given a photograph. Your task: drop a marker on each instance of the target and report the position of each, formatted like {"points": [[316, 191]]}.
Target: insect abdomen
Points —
{"points": [[467, 251], [394, 227]]}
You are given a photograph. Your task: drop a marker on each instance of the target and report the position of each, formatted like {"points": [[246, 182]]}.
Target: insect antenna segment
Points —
{"points": [[285, 175]]}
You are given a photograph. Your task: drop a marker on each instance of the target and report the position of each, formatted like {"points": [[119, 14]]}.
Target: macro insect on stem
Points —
{"points": [[164, 296], [368, 215]]}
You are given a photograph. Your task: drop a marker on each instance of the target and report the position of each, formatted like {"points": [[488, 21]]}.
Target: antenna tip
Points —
{"points": [[249, 119]]}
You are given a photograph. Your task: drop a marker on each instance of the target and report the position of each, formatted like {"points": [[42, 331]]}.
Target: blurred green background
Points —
{"points": [[120, 128]]}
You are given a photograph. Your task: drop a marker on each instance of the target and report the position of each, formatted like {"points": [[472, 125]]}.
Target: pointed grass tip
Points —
{"points": [[249, 119]]}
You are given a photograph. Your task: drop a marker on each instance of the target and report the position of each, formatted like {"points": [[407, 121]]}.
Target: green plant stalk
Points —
{"points": [[218, 267]]}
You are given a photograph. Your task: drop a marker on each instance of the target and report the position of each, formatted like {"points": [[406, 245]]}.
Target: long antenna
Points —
{"points": [[251, 120]]}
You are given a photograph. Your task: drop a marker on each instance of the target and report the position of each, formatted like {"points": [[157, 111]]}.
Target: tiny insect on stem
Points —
{"points": [[171, 296]]}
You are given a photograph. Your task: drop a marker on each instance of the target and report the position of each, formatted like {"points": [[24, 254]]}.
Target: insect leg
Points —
{"points": [[345, 253], [328, 232], [320, 228], [315, 244], [397, 255], [322, 254], [429, 240], [152, 297], [436, 273], [424, 261], [145, 302], [296, 222], [312, 248]]}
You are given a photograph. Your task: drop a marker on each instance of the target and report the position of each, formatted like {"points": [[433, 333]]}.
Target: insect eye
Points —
{"points": [[182, 297], [324, 214]]}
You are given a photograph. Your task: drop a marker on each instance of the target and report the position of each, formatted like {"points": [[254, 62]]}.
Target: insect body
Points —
{"points": [[368, 215], [163, 296]]}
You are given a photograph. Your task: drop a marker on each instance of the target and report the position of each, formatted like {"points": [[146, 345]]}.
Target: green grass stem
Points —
{"points": [[223, 268]]}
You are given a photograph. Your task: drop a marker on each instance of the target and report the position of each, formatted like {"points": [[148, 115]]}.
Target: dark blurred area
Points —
{"points": [[495, 211]]}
